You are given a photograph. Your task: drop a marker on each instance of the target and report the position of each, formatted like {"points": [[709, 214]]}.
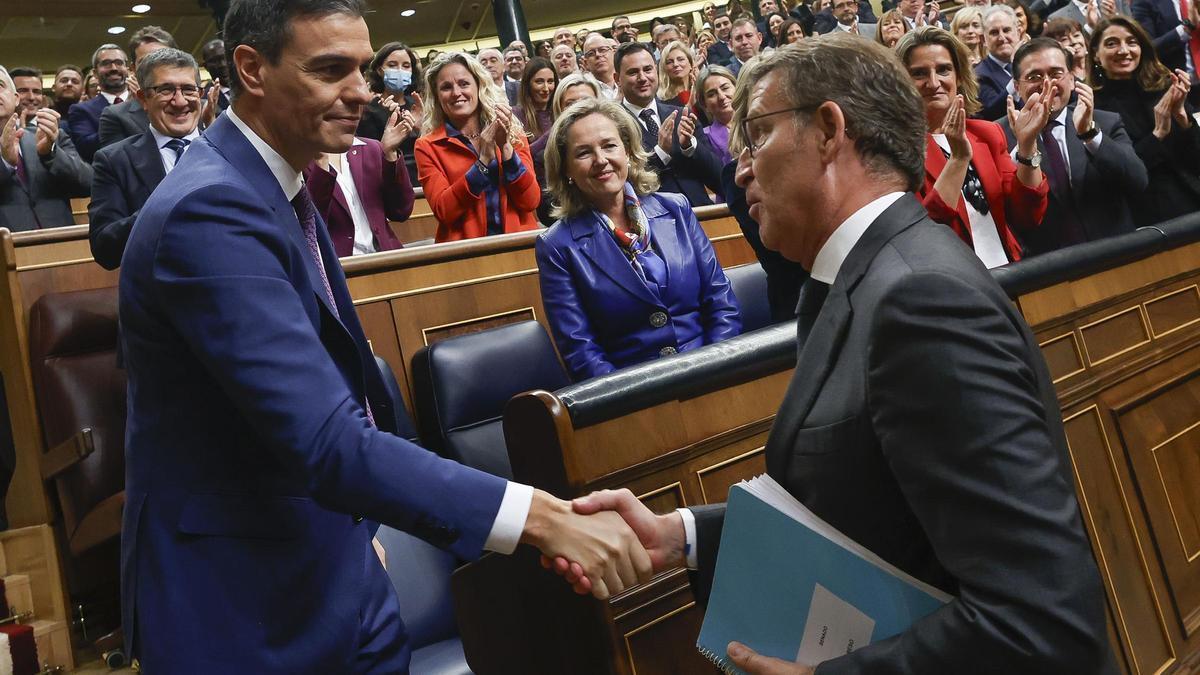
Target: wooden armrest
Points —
{"points": [[67, 454]]}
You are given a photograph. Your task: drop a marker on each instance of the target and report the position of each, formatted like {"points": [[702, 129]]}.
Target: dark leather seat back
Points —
{"points": [[749, 283], [462, 384], [404, 425], [73, 347]]}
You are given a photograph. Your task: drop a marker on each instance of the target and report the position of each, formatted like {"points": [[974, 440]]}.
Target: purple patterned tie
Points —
{"points": [[21, 177], [306, 213]]}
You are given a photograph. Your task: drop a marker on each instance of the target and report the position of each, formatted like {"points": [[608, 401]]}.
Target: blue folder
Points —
{"points": [[772, 569]]}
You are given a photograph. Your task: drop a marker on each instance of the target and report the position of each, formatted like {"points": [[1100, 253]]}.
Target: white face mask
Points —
{"points": [[395, 79]]}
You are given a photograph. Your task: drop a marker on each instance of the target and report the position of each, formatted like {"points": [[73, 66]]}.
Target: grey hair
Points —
{"points": [[574, 79], [103, 48], [999, 9], [166, 57], [884, 114], [568, 199], [6, 80], [266, 26]]}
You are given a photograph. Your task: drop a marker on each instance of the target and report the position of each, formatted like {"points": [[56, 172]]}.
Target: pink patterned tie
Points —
{"points": [[306, 213]]}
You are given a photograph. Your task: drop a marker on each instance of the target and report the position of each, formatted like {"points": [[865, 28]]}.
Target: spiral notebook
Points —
{"points": [[790, 585]]}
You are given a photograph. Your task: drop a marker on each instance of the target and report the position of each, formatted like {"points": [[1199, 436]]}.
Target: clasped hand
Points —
{"points": [[496, 133]]}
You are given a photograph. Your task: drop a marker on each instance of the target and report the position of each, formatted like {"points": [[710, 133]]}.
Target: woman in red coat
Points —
{"points": [[972, 183], [472, 157]]}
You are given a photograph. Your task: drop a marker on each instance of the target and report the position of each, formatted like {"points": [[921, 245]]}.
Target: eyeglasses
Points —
{"points": [[1038, 78], [754, 144], [166, 92], [598, 51], [120, 63]]}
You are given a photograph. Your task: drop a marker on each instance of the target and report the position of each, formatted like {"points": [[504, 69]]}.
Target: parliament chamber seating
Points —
{"points": [[462, 384], [749, 283]]}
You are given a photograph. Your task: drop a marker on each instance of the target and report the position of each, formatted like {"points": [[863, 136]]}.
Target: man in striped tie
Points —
{"points": [[125, 173]]}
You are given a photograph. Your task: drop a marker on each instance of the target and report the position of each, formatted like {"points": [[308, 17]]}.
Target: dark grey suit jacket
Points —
{"points": [[121, 121], [52, 182], [921, 422], [1102, 185], [125, 175]]}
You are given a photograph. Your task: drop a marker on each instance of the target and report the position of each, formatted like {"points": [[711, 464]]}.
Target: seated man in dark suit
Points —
{"points": [[129, 118], [1091, 165], [128, 171], [746, 42], [683, 159], [921, 420], [39, 168], [111, 68], [720, 53], [994, 72]]}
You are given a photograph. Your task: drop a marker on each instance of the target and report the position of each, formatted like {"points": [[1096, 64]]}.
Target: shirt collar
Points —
{"points": [[112, 97], [1061, 118], [637, 112], [289, 179], [833, 253], [160, 139], [843, 27], [1000, 63]]}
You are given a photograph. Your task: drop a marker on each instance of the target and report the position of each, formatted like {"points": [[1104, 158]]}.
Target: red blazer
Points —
{"points": [[442, 165], [1013, 205], [383, 187]]}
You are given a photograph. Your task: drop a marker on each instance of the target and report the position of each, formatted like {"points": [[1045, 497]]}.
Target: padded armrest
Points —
{"points": [[67, 454]]}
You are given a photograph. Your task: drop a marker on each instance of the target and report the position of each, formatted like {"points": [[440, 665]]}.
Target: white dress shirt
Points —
{"points": [[826, 266], [514, 507], [166, 154], [113, 97], [1185, 37], [658, 149], [984, 235], [364, 238]]}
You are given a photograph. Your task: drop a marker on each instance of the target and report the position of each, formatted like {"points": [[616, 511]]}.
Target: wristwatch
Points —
{"points": [[1188, 25], [1035, 161], [1090, 133]]}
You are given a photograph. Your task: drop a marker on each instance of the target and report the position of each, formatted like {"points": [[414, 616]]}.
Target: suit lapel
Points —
{"points": [[820, 351], [1076, 154], [599, 247], [664, 236], [147, 161], [935, 162]]}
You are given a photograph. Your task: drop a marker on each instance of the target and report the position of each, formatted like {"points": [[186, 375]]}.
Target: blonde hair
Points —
{"points": [[568, 199], [667, 90], [962, 16], [708, 73], [488, 99], [932, 36], [572, 80]]}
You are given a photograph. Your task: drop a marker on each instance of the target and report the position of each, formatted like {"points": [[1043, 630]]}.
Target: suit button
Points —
{"points": [[358, 519], [658, 319], [667, 351]]}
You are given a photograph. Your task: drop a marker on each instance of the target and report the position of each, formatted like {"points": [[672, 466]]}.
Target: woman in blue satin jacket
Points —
{"points": [[627, 274]]}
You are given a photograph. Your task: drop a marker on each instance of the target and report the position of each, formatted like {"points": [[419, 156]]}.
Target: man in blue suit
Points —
{"points": [[126, 173], [255, 469], [994, 72], [111, 66], [683, 159], [1172, 37]]}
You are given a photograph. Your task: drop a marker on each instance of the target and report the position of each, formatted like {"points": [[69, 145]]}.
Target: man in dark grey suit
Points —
{"points": [[921, 420], [127, 172], [123, 120], [1089, 161], [39, 168]]}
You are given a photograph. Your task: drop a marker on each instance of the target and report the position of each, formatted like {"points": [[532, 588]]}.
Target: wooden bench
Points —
{"points": [[1119, 325]]}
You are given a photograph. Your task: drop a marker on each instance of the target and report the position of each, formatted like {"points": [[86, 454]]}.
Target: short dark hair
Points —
{"points": [[627, 49], [150, 34], [165, 58], [1056, 28], [1041, 44], [25, 71], [68, 66], [618, 18], [375, 80], [266, 26]]}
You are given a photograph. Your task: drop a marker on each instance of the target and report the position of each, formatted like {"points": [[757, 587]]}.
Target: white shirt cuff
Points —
{"points": [[10, 167], [689, 538], [662, 154], [691, 148], [510, 519], [1093, 143], [1183, 34]]}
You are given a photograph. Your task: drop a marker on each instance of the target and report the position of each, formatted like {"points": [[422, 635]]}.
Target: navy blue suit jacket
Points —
{"points": [[84, 119], [1160, 18], [250, 459], [599, 309], [123, 176], [993, 90], [688, 176]]}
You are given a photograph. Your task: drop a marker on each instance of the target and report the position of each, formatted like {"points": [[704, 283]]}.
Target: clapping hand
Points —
{"points": [[687, 129], [955, 128], [211, 103], [504, 115], [399, 125], [1171, 106], [932, 13], [10, 140], [1092, 14], [132, 84], [1084, 107], [1108, 7], [1029, 121], [47, 130], [666, 131], [486, 145], [1183, 83]]}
